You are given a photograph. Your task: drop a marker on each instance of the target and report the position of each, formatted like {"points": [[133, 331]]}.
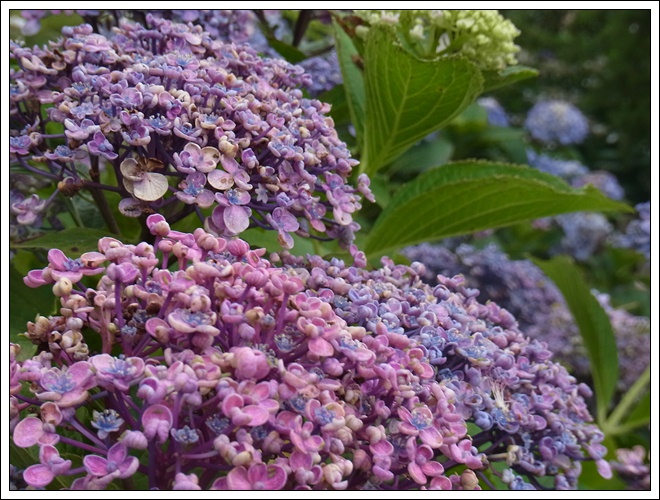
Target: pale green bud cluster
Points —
{"points": [[483, 36]]}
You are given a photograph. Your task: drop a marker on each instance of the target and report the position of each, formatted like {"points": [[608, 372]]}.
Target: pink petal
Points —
{"points": [[27, 432], [117, 453], [230, 402], [236, 219], [274, 477], [205, 199], [80, 372], [440, 483], [433, 468], [258, 415], [431, 436], [72, 398], [382, 448], [416, 473], [57, 258], [300, 460], [220, 484], [237, 479], [321, 347], [48, 454], [229, 163], [38, 476], [95, 465], [34, 279], [128, 467]]}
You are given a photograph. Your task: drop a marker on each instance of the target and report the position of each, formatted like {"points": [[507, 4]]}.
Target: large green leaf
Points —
{"points": [[594, 324], [408, 98], [421, 157], [468, 196], [347, 55], [72, 241]]}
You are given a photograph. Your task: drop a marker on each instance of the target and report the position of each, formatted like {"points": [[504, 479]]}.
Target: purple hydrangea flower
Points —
{"points": [[186, 104], [555, 121]]}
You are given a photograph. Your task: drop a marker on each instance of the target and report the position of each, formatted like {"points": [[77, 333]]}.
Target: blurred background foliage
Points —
{"points": [[601, 61]]}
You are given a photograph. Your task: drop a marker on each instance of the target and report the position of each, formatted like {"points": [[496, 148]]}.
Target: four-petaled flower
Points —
{"points": [[41, 475], [419, 422], [256, 477], [67, 387], [118, 463], [231, 216]]}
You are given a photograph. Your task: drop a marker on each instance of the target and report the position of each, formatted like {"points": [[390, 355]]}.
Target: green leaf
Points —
{"points": [[512, 74], [25, 303], [336, 97], [263, 238], [468, 196], [347, 54], [22, 458], [72, 241], [423, 156], [408, 98], [641, 415], [594, 324], [288, 52]]}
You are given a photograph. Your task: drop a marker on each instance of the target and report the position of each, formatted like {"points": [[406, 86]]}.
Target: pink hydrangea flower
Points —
{"points": [[118, 463], [51, 465], [67, 387]]}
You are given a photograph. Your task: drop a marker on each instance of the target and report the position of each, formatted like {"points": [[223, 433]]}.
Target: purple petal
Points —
{"points": [[57, 258], [128, 467], [236, 218], [431, 436], [117, 453], [220, 180], [416, 473], [237, 479], [95, 465], [28, 432], [258, 414], [274, 478], [38, 476]]}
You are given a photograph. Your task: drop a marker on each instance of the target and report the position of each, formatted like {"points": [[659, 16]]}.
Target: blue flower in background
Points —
{"points": [[496, 114], [557, 121]]}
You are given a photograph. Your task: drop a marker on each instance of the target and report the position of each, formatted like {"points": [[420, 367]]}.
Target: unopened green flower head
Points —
{"points": [[483, 36]]}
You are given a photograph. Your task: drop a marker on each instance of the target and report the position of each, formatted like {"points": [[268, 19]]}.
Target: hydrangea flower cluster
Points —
{"points": [[325, 72], [584, 233], [482, 36], [637, 234], [208, 367], [525, 291], [568, 170], [173, 112], [556, 121], [632, 465], [238, 26], [497, 117]]}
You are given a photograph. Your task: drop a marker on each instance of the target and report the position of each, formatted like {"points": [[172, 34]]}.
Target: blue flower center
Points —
{"points": [[324, 416]]}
